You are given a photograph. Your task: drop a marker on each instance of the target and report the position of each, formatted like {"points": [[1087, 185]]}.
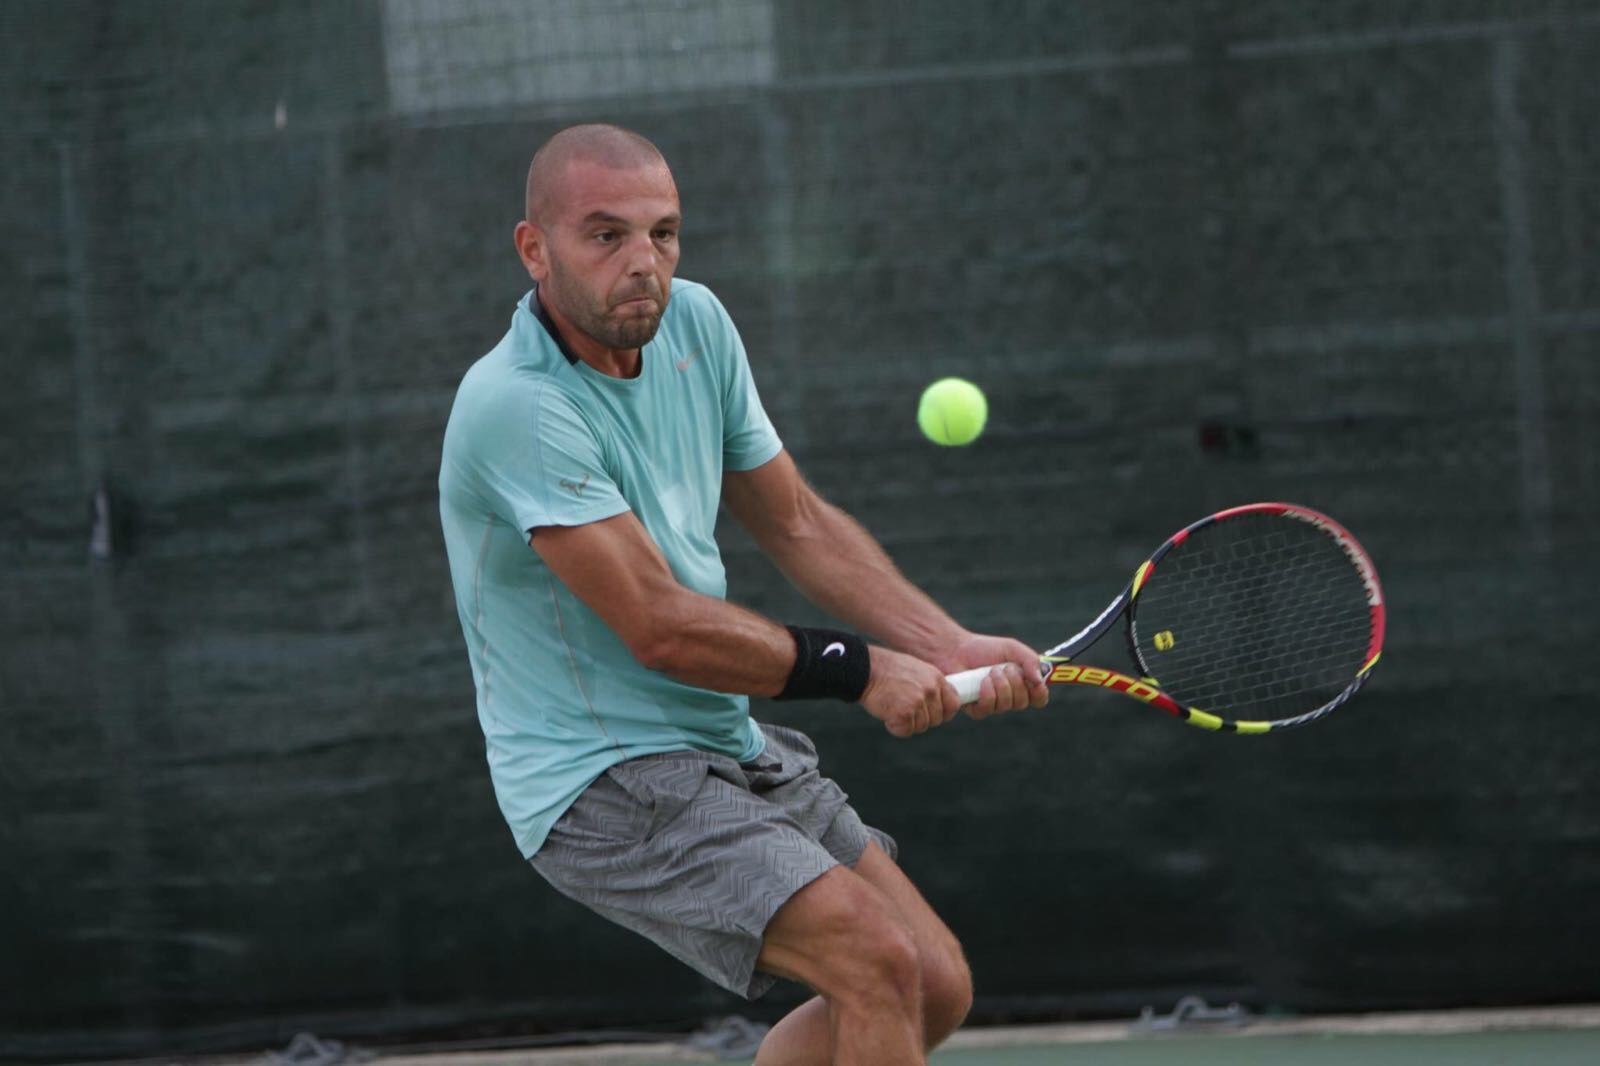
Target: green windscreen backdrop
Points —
{"points": [[1196, 252]]}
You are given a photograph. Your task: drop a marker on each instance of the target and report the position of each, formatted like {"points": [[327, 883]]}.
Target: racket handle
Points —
{"points": [[967, 682]]}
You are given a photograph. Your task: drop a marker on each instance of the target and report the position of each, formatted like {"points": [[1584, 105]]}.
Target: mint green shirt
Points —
{"points": [[534, 440]]}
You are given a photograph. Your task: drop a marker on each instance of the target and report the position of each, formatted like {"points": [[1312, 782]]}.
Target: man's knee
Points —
{"points": [[845, 938], [946, 992], [886, 960]]}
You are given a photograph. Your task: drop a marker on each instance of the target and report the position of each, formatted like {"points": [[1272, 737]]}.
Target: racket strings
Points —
{"points": [[1256, 617]]}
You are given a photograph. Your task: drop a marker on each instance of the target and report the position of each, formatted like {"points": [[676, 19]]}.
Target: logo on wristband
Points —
{"points": [[828, 664]]}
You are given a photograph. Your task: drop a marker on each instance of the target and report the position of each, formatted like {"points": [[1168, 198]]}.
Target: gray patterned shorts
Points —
{"points": [[698, 851]]}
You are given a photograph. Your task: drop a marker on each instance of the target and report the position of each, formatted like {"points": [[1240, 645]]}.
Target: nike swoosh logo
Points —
{"points": [[833, 649], [688, 360]]}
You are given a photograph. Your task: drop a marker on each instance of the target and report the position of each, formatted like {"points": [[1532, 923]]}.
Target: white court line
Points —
{"points": [[1396, 1023]]}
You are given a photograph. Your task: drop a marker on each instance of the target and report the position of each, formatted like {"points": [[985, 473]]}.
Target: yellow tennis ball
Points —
{"points": [[952, 411]]}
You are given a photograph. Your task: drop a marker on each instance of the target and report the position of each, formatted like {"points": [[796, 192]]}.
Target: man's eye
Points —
{"points": [[605, 236], [666, 234]]}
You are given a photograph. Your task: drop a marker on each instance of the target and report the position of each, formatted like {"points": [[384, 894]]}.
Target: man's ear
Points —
{"points": [[531, 249]]}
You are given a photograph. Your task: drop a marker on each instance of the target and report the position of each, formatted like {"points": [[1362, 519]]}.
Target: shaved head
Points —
{"points": [[600, 241], [609, 146]]}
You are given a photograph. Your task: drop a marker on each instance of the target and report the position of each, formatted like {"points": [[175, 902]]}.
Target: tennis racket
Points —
{"points": [[1250, 620]]}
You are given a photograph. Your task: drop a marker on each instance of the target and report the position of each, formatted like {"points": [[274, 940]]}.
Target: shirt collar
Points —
{"points": [[549, 324]]}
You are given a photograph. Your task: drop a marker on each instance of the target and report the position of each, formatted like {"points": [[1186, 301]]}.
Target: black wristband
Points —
{"points": [[828, 664]]}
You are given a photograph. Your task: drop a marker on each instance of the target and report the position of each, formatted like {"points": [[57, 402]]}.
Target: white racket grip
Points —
{"points": [[967, 682]]}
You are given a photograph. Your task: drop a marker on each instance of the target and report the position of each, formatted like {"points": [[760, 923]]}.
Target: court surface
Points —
{"points": [[1543, 1048], [1551, 1036]]}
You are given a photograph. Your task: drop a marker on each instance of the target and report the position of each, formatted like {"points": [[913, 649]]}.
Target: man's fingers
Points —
{"points": [[1035, 692], [1008, 687], [980, 706], [994, 686], [922, 715], [931, 701], [950, 701], [1007, 682], [911, 722], [991, 695], [1038, 691]]}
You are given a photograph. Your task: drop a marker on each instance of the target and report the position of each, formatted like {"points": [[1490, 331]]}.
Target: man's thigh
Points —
{"points": [[936, 944], [819, 934], [693, 852]]}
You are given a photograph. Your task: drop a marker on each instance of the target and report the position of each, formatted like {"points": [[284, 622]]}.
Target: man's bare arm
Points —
{"points": [[618, 571], [833, 561], [838, 565]]}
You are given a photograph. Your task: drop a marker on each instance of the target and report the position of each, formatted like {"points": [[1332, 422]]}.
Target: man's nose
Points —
{"points": [[643, 256]]}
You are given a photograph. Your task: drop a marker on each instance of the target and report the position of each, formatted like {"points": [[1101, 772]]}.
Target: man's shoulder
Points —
{"points": [[501, 392], [694, 300], [515, 369], [700, 325]]}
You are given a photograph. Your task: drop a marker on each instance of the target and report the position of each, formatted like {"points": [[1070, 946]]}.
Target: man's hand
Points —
{"points": [[1009, 687], [906, 694]]}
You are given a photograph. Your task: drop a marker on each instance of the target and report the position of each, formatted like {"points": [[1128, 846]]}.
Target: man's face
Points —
{"points": [[610, 248]]}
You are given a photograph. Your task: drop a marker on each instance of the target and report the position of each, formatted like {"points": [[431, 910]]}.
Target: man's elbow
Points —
{"points": [[809, 525], [659, 639], [659, 651]]}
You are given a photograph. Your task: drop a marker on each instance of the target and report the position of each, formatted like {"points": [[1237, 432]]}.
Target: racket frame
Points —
{"points": [[1059, 665]]}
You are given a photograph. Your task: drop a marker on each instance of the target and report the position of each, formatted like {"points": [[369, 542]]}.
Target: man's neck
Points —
{"points": [[579, 346]]}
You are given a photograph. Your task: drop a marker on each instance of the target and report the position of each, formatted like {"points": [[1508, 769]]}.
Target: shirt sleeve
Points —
{"points": [[545, 464], [748, 437]]}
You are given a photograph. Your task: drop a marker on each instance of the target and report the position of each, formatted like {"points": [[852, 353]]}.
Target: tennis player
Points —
{"points": [[584, 462]]}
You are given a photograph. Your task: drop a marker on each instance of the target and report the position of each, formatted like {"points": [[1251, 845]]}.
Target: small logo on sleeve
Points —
{"points": [[575, 487], [833, 649]]}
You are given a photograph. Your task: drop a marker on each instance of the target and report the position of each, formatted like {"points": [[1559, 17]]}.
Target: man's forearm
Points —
{"points": [[840, 567], [710, 643]]}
